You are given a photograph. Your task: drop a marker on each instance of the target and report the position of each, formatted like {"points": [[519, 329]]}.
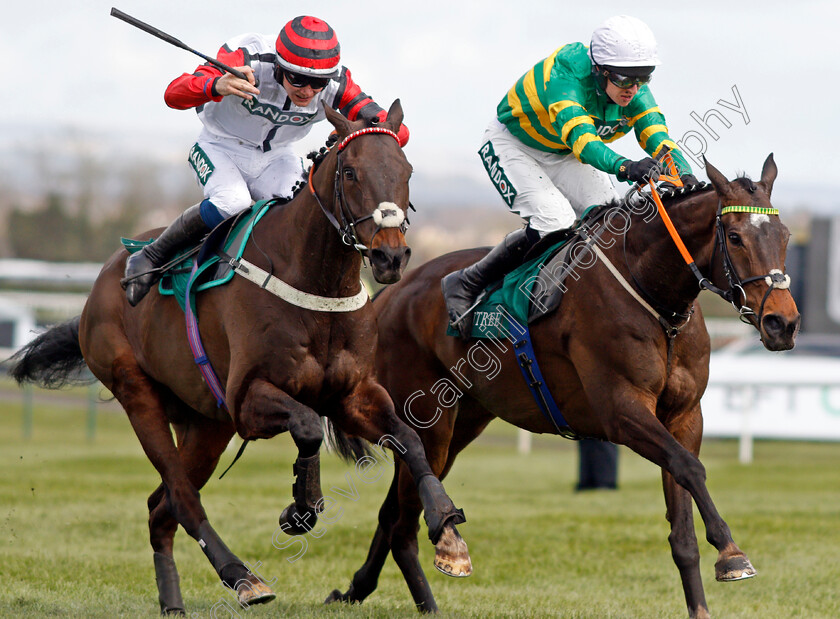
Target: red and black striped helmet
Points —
{"points": [[308, 45]]}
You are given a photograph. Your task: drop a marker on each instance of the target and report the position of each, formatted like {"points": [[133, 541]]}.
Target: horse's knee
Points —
{"points": [[307, 433], [688, 470]]}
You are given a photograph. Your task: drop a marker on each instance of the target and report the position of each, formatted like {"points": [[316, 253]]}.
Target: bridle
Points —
{"points": [[386, 215], [775, 279], [735, 294]]}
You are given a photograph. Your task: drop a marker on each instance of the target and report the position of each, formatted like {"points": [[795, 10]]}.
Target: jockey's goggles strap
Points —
{"points": [[758, 210]]}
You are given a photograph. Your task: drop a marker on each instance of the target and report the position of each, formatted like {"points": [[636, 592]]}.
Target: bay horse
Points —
{"points": [[282, 366], [615, 370]]}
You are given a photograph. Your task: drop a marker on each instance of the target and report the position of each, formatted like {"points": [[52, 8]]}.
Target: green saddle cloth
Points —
{"points": [[175, 281], [512, 294]]}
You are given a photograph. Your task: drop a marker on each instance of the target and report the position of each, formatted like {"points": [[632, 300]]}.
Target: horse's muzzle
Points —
{"points": [[779, 332], [388, 263]]}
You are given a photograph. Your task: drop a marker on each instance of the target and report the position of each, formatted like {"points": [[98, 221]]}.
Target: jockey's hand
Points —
{"points": [[689, 181], [229, 84], [638, 171]]}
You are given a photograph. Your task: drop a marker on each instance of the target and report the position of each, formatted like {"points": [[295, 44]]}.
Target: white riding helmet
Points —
{"points": [[623, 41]]}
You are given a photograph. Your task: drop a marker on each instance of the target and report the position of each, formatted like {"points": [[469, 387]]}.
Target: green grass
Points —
{"points": [[74, 536]]}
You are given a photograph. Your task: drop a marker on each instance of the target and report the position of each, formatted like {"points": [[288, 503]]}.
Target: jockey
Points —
{"points": [[546, 151], [244, 151]]}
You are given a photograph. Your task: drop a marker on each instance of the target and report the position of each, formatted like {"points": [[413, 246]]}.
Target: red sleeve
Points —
{"points": [[402, 134], [191, 90], [355, 104], [351, 101]]}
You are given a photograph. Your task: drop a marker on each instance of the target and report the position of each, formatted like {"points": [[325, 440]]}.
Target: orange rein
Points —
{"points": [[674, 178]]}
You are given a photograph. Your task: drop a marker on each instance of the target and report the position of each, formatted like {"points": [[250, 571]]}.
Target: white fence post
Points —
{"points": [[524, 441]]}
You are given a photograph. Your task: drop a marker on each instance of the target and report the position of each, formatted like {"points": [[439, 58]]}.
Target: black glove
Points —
{"points": [[689, 181], [639, 171]]}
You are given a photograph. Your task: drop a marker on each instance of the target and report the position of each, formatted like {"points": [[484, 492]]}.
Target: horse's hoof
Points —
{"points": [[451, 554], [255, 593], [338, 596], [734, 568], [174, 612], [700, 613], [292, 523], [335, 596]]}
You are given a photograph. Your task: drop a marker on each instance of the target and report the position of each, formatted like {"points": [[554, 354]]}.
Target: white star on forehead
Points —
{"points": [[757, 219]]}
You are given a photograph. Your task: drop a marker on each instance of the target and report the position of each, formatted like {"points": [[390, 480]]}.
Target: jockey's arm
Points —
{"points": [[208, 83]]}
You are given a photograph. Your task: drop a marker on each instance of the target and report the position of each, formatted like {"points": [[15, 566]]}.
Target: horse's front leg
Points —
{"points": [[687, 429], [369, 412], [266, 411], [628, 416]]}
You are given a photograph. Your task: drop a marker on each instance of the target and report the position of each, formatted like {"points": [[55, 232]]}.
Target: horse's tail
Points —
{"points": [[350, 449], [53, 359]]}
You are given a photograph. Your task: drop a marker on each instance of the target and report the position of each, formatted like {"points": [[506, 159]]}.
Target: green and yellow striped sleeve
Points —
{"points": [[578, 133], [651, 131]]}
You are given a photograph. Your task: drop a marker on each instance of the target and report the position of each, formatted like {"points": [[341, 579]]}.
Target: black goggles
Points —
{"points": [[300, 81], [626, 81]]}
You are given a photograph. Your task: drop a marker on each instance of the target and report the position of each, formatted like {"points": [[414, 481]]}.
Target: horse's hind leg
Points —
{"points": [[367, 577], [145, 409], [201, 442]]}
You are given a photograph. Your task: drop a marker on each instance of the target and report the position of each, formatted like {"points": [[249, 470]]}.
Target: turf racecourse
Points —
{"points": [[74, 538]]}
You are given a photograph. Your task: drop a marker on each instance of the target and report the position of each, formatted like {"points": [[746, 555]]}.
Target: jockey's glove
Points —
{"points": [[638, 171]]}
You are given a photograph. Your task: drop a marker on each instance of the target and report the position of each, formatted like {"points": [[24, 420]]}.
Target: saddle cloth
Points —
{"points": [[229, 236], [533, 289]]}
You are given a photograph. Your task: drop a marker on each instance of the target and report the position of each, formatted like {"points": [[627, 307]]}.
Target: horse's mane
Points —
{"points": [[317, 156]]}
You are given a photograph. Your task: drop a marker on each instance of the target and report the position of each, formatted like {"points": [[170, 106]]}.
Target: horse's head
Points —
{"points": [[372, 190], [753, 242]]}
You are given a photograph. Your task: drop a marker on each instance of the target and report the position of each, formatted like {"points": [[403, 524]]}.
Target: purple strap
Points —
{"points": [[198, 350]]}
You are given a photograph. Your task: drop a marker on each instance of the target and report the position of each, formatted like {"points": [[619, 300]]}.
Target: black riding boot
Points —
{"points": [[461, 288], [140, 273]]}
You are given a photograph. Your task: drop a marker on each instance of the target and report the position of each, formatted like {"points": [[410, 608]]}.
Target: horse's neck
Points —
{"points": [[309, 249], [656, 262]]}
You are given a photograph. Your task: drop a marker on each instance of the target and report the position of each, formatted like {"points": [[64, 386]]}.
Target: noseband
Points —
{"points": [[774, 279], [386, 215]]}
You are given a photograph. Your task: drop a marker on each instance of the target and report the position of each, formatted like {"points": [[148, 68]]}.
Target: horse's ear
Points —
{"points": [[719, 181], [341, 124], [395, 115], [768, 174]]}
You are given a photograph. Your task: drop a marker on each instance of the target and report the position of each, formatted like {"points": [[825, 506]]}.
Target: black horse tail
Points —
{"points": [[350, 448], [53, 359]]}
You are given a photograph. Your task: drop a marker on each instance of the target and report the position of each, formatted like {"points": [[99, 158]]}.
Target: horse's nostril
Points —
{"points": [[773, 325]]}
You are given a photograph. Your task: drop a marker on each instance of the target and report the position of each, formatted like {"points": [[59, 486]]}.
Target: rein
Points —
{"points": [[386, 215]]}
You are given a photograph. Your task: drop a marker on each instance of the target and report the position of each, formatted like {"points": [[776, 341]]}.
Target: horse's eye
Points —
{"points": [[349, 174], [735, 239]]}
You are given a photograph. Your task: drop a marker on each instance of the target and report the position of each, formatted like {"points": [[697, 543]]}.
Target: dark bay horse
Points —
{"points": [[281, 366], [611, 366]]}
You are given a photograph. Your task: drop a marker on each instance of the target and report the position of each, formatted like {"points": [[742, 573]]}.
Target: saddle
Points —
{"points": [[228, 239], [535, 288]]}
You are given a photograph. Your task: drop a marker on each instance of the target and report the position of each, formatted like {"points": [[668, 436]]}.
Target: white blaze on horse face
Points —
{"points": [[757, 219], [388, 215]]}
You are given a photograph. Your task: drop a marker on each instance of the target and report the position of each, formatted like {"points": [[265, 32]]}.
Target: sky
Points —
{"points": [[773, 63]]}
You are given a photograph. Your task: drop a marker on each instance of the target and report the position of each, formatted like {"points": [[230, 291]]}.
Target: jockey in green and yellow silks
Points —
{"points": [[547, 152], [561, 106]]}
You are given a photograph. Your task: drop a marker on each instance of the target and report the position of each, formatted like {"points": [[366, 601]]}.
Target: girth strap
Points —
{"points": [[523, 348]]}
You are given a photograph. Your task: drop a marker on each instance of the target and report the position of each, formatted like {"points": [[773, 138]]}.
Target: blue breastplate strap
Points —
{"points": [[523, 348]]}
